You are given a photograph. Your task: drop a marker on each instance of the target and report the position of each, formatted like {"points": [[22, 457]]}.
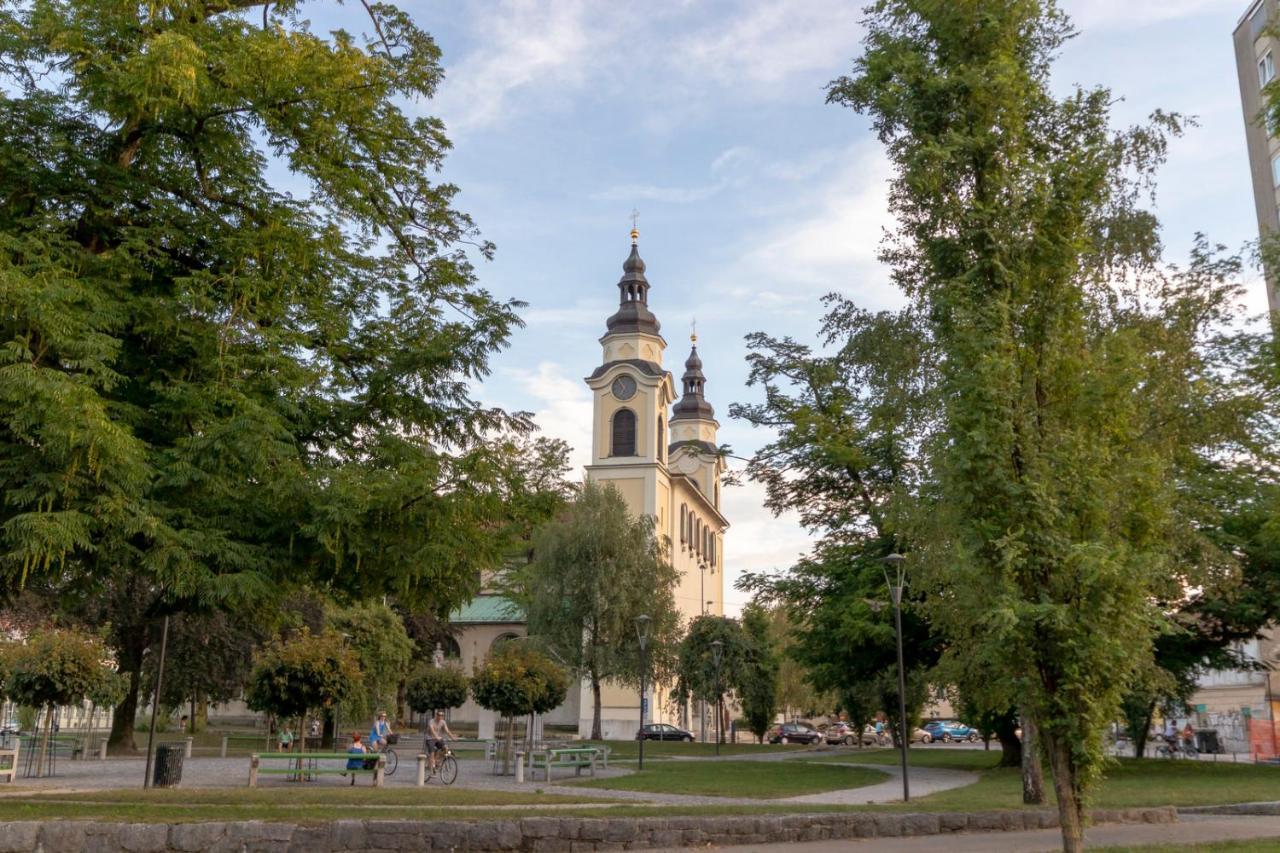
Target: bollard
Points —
{"points": [[223, 754], [519, 767], [102, 751], [377, 771], [422, 769], [253, 771], [187, 753]]}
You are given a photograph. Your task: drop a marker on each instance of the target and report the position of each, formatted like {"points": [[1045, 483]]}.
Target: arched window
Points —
{"points": [[624, 433], [684, 519], [697, 536], [452, 651], [502, 640], [706, 542]]}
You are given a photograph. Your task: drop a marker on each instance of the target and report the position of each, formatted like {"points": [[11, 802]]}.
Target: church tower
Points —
{"points": [[661, 455], [632, 393]]}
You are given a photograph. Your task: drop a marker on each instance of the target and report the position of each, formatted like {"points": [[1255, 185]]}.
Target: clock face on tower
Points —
{"points": [[624, 387]]}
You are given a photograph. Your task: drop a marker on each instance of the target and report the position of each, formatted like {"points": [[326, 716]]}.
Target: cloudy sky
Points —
{"points": [[755, 197]]}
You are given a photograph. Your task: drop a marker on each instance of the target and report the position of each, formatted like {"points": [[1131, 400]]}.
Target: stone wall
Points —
{"points": [[524, 834]]}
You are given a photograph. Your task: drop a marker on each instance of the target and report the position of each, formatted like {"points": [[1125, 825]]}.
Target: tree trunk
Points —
{"points": [[200, 714], [595, 701], [402, 702], [120, 741], [511, 741], [1070, 806], [44, 742], [1010, 747], [1140, 737], [1032, 771]]}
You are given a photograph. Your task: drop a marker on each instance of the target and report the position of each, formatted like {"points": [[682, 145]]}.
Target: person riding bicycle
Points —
{"points": [[378, 735], [437, 731]]}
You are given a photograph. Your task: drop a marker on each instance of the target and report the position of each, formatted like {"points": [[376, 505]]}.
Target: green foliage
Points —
{"points": [[383, 651], [307, 672], [516, 680], [1081, 388], [697, 675], [209, 656], [758, 689], [437, 688], [595, 570], [57, 667]]}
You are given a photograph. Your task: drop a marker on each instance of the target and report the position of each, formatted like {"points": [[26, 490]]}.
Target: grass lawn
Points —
{"points": [[1128, 782], [627, 749], [1256, 845], [757, 779]]}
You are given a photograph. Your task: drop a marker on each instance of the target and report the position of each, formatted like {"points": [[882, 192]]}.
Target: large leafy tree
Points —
{"points": [[594, 572], [758, 691], [239, 323], [1055, 524], [376, 635], [700, 675]]}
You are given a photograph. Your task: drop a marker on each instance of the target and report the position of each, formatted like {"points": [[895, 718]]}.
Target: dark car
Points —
{"points": [[794, 733], [662, 731], [949, 730]]}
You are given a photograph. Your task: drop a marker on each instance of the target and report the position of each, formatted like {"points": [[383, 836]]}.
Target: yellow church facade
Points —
{"points": [[656, 443]]}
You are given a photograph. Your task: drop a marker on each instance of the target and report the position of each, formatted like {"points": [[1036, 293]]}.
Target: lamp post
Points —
{"points": [[895, 577], [155, 704], [642, 634], [717, 655]]}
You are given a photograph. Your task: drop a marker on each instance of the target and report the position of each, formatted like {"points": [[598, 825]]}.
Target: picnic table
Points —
{"points": [[576, 757], [304, 766]]}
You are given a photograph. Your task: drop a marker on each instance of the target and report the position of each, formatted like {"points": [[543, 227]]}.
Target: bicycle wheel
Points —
{"points": [[389, 768], [448, 770]]}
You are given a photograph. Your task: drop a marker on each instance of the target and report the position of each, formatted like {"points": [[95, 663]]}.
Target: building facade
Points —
{"points": [[1257, 53], [655, 442]]}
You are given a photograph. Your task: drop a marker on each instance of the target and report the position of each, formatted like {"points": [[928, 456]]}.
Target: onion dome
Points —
{"points": [[693, 405], [633, 314]]}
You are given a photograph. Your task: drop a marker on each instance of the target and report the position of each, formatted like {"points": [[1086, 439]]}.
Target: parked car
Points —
{"points": [[869, 737], [950, 730], [9, 727], [663, 731], [794, 733], [840, 733]]}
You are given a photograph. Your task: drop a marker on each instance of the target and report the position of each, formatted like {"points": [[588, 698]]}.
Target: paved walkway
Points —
{"points": [[1190, 830]]}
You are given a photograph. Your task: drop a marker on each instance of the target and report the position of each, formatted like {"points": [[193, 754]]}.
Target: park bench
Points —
{"points": [[11, 770], [304, 765], [248, 742], [576, 757]]}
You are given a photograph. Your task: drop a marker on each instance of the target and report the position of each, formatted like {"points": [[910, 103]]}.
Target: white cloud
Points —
{"points": [[563, 407], [525, 44]]}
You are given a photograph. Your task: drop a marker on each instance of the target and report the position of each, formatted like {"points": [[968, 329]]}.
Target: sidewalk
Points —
{"points": [[1189, 830]]}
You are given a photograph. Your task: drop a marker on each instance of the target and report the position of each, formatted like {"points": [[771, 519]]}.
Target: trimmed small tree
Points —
{"points": [[517, 680], [308, 671], [437, 688], [54, 668], [758, 690], [698, 677]]}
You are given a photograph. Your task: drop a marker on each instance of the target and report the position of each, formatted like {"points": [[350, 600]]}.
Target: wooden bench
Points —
{"points": [[12, 770], [576, 757], [303, 765]]}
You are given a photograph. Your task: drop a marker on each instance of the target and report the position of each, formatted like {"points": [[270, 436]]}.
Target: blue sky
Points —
{"points": [[755, 197]]}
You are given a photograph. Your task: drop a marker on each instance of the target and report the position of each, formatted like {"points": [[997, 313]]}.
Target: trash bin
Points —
{"points": [[167, 771], [1207, 741]]}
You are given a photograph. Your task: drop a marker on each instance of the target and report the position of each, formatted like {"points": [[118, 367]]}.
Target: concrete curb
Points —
{"points": [[573, 835], [1265, 808]]}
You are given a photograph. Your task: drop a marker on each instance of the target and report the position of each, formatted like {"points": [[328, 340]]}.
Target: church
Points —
{"points": [[657, 445]]}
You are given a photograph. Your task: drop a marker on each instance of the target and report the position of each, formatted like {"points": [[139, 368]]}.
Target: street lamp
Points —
{"points": [[717, 655], [642, 634], [895, 577]]}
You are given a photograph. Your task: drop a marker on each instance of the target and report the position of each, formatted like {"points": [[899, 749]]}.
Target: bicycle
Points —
{"points": [[1165, 749], [445, 767]]}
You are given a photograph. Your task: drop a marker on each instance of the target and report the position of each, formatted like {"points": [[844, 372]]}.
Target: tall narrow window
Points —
{"points": [[1275, 170], [661, 451], [1266, 69], [624, 433], [684, 517], [697, 536]]}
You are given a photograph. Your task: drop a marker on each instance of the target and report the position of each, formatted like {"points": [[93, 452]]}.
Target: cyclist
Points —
{"points": [[437, 731], [378, 735]]}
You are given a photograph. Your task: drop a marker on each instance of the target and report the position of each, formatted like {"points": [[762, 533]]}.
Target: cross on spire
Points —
{"points": [[635, 226]]}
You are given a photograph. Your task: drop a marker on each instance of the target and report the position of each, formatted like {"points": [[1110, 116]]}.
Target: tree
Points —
{"points": [[595, 570], [758, 689], [437, 688], [57, 667], [1022, 239], [698, 676], [307, 672], [215, 380], [517, 680], [383, 651]]}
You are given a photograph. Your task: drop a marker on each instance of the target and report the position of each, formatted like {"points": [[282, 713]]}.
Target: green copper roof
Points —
{"points": [[487, 609]]}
